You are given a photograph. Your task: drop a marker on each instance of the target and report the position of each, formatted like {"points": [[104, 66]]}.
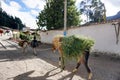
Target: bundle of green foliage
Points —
{"points": [[25, 37], [74, 46]]}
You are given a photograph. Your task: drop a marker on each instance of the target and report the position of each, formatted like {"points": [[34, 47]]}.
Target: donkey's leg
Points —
{"points": [[62, 63], [61, 60], [87, 53], [78, 64], [23, 50], [24, 47]]}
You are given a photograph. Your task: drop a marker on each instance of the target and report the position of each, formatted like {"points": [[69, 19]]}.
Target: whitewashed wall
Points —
{"points": [[103, 34]]}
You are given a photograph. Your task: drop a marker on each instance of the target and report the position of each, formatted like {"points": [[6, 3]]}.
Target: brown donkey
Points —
{"points": [[33, 44], [81, 59]]}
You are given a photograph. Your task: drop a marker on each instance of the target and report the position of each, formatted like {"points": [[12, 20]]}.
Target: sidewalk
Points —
{"points": [[6, 44]]}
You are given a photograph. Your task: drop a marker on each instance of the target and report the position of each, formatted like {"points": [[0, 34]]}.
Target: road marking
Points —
{"points": [[3, 45]]}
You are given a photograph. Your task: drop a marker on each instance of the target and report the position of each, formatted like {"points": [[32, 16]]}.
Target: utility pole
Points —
{"points": [[65, 17], [87, 6]]}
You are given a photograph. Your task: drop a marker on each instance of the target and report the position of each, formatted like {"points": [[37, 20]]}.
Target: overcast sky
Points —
{"points": [[27, 10]]}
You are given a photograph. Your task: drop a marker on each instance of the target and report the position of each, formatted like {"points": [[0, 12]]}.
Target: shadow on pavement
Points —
{"points": [[17, 54], [25, 76]]}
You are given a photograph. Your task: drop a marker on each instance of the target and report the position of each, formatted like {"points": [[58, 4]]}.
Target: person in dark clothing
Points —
{"points": [[34, 44]]}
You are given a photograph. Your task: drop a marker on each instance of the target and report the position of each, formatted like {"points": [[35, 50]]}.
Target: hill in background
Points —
{"points": [[114, 17]]}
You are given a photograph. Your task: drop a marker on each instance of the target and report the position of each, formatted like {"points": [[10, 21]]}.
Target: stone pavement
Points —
{"points": [[14, 65]]}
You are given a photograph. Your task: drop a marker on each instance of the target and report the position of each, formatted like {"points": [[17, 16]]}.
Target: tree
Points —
{"points": [[94, 9], [53, 14], [10, 21]]}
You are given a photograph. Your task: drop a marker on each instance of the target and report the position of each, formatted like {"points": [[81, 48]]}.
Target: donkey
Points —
{"points": [[81, 59], [33, 44]]}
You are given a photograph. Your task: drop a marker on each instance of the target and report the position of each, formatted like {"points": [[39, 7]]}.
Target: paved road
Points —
{"points": [[14, 65]]}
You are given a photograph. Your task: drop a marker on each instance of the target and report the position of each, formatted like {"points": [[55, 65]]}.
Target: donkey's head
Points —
{"points": [[56, 43]]}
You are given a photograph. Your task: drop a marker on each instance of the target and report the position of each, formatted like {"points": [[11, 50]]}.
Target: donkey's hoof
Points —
{"points": [[90, 76], [61, 70], [74, 70], [63, 67]]}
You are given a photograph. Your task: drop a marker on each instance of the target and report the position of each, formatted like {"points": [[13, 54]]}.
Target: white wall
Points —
{"points": [[103, 34]]}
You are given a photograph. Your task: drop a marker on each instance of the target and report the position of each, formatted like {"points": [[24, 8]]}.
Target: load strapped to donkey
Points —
{"points": [[74, 47], [28, 38]]}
